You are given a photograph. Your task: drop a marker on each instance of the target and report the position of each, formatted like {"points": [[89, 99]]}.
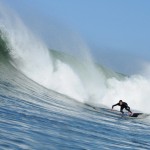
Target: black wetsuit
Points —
{"points": [[124, 105]]}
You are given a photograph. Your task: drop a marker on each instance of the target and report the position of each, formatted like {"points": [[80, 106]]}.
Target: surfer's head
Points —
{"points": [[120, 102]]}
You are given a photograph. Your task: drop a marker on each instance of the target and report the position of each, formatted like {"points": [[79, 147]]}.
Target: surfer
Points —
{"points": [[122, 106]]}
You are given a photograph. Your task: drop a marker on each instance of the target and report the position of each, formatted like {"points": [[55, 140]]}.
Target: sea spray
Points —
{"points": [[32, 57]]}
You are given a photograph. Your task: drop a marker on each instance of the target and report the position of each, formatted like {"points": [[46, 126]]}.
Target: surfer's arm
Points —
{"points": [[115, 105]]}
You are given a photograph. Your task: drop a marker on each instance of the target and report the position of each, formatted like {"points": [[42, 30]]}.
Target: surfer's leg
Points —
{"points": [[128, 109]]}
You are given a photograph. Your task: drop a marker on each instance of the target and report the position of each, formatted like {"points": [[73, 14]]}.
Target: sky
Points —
{"points": [[117, 32]]}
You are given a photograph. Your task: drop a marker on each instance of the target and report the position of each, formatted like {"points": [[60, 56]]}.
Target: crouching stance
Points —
{"points": [[122, 106]]}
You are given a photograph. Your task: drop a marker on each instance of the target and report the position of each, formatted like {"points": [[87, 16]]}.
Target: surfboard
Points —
{"points": [[136, 115]]}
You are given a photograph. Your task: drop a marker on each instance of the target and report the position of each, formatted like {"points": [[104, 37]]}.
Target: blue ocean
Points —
{"points": [[51, 100]]}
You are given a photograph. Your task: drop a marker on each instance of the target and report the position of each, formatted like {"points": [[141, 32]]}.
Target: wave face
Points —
{"points": [[81, 80]]}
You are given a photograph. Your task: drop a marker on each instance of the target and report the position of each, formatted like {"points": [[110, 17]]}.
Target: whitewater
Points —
{"points": [[53, 100]]}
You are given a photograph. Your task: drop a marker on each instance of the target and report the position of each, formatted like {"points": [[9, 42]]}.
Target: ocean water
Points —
{"points": [[50, 100]]}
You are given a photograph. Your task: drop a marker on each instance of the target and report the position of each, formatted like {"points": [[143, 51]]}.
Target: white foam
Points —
{"points": [[31, 56], [134, 90]]}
